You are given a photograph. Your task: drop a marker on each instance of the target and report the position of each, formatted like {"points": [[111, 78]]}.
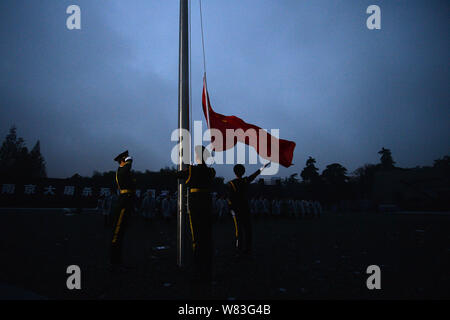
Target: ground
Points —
{"points": [[320, 258]]}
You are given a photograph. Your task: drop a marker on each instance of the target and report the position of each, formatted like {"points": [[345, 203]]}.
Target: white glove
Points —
{"points": [[128, 158], [265, 166], [232, 213]]}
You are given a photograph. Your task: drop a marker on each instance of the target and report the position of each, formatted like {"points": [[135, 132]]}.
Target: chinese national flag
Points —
{"points": [[265, 144]]}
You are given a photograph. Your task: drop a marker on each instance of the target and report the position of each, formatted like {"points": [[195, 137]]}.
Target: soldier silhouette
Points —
{"points": [[237, 190], [199, 180], [126, 185]]}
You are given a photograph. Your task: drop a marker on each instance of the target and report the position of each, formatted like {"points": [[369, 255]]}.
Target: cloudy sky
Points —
{"points": [[310, 68]]}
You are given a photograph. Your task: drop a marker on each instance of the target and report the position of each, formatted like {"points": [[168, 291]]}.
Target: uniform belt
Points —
{"points": [[126, 191], [198, 190]]}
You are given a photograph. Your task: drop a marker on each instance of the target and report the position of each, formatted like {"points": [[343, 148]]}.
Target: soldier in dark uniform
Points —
{"points": [[199, 180], [238, 202], [126, 185]]}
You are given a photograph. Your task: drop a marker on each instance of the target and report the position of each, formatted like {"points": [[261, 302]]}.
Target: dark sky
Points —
{"points": [[310, 68]]}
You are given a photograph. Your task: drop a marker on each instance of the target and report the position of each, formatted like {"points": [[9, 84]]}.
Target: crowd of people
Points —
{"points": [[164, 206], [285, 207]]}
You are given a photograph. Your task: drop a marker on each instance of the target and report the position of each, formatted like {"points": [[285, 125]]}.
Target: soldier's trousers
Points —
{"points": [[201, 230], [123, 212], [243, 231]]}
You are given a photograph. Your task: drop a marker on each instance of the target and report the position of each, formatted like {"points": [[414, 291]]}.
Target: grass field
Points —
{"points": [[323, 258]]}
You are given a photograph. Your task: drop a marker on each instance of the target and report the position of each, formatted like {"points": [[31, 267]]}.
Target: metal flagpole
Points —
{"points": [[183, 123]]}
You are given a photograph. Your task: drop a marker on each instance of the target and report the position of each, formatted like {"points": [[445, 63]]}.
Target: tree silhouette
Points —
{"points": [[335, 174], [365, 178], [293, 178], [310, 172], [16, 163], [37, 162], [76, 177], [386, 158]]}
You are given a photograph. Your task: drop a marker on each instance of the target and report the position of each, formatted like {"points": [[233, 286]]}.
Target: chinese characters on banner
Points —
{"points": [[55, 193], [49, 190]]}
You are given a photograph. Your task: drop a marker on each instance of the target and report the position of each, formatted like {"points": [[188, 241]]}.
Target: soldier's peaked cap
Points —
{"points": [[121, 156]]}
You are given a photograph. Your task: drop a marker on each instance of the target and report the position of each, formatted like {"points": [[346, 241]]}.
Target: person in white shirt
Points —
{"points": [[173, 206], [165, 207], [258, 206], [318, 208], [276, 207], [148, 206], [299, 208], [106, 209], [266, 207], [310, 208], [291, 208], [221, 207]]}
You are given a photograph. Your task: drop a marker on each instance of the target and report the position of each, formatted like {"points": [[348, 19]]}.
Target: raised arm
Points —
{"points": [[253, 176], [256, 173], [127, 165]]}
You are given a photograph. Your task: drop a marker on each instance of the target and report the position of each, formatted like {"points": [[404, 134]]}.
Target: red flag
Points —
{"points": [[266, 145]]}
